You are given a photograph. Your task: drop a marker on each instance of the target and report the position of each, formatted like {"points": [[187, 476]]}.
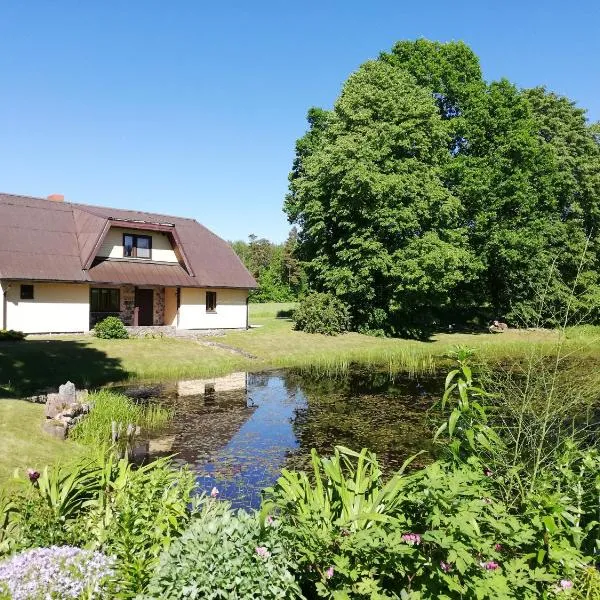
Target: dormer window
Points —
{"points": [[137, 246]]}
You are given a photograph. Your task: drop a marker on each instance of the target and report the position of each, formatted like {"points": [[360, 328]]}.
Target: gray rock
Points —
{"points": [[68, 393], [55, 428], [54, 405]]}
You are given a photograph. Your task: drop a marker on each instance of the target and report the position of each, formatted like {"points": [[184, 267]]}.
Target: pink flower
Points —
{"points": [[488, 472], [214, 492], [446, 567], [329, 573], [33, 475], [498, 547], [414, 539], [269, 520], [566, 584], [262, 552], [490, 565]]}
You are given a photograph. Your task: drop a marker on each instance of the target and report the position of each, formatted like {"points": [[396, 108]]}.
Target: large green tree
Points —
{"points": [[378, 226], [427, 196]]}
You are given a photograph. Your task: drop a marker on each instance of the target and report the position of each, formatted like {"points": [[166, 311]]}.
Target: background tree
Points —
{"points": [[428, 196], [277, 271]]}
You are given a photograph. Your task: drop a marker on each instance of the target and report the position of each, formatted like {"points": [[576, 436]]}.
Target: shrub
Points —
{"points": [[227, 555], [55, 572], [141, 512], [321, 313], [111, 328], [10, 335], [106, 505]]}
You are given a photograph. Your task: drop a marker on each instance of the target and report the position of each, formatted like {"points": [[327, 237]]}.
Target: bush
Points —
{"points": [[10, 335], [321, 313], [227, 555], [106, 505], [111, 328]]}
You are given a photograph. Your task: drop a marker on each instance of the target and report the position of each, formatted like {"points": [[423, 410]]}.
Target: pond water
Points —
{"points": [[238, 432]]}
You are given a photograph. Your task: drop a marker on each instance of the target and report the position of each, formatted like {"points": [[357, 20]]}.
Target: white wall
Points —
{"points": [[171, 306], [230, 313], [55, 308], [112, 247]]}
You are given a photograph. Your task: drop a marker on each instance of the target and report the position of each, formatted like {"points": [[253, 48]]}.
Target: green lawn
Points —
{"points": [[23, 444], [38, 364]]}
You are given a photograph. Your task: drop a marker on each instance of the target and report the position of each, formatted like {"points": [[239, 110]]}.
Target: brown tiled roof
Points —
{"points": [[54, 241], [140, 273]]}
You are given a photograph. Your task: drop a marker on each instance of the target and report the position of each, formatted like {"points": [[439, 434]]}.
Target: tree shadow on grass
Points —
{"points": [[37, 366]]}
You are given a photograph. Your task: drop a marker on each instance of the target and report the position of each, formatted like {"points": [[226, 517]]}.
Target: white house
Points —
{"points": [[65, 266]]}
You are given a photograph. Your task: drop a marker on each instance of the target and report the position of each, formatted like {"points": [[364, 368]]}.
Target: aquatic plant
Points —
{"points": [[110, 407]]}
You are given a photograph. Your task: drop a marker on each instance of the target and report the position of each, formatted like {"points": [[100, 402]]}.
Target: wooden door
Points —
{"points": [[144, 302]]}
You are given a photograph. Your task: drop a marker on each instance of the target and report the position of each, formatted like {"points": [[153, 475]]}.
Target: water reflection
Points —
{"points": [[237, 432]]}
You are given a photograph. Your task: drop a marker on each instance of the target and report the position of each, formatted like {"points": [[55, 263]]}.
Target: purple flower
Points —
{"points": [[262, 552], [57, 572], [498, 547], [33, 475], [414, 539], [566, 584], [329, 573], [446, 567], [490, 565], [214, 492]]}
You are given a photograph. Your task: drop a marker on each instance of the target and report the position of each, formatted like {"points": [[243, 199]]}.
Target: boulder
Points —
{"points": [[57, 429], [55, 404], [68, 392], [64, 409]]}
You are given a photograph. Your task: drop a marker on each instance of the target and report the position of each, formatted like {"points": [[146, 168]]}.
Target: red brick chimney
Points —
{"points": [[56, 198]]}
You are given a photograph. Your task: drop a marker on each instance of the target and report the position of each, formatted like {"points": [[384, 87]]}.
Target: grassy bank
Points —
{"points": [[38, 364], [23, 444]]}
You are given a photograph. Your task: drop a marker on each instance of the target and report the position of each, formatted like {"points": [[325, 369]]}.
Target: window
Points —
{"points": [[137, 246], [26, 292], [105, 300], [211, 301]]}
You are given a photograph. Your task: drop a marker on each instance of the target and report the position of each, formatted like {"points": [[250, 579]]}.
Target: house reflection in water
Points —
{"points": [[199, 387], [207, 414], [234, 432]]}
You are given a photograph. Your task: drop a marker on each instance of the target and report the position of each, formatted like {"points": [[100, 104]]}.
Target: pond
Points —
{"points": [[237, 432]]}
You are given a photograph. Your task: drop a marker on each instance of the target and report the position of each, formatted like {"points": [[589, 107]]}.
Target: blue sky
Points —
{"points": [[193, 108]]}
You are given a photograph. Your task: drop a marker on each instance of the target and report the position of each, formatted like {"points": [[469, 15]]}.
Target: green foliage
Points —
{"points": [[225, 555], [7, 523], [429, 197], [321, 313], [327, 518], [274, 266], [10, 335], [105, 504], [111, 328], [137, 515], [109, 407]]}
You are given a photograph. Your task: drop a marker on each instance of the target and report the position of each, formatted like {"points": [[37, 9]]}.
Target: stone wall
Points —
{"points": [[159, 306], [127, 303]]}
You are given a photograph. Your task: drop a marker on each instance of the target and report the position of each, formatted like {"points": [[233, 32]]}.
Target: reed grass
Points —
{"points": [[108, 407]]}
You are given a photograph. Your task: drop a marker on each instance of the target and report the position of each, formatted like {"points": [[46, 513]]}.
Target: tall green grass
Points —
{"points": [[108, 407], [270, 310]]}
